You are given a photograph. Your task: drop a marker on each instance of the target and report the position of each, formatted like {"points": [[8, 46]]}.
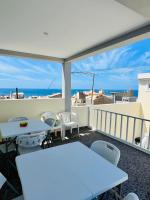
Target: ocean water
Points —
{"points": [[45, 92]]}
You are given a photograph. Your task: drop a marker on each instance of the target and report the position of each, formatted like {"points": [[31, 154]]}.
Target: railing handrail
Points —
{"points": [[121, 114]]}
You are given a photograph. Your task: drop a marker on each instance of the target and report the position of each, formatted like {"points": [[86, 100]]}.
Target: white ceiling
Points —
{"points": [[72, 25]]}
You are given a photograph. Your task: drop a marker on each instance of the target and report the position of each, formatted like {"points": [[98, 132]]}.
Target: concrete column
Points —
{"points": [[66, 85]]}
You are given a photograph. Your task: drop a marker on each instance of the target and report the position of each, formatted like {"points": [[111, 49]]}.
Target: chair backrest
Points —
{"points": [[49, 118], [68, 117], [2, 180], [15, 119], [131, 196], [31, 140], [107, 151]]}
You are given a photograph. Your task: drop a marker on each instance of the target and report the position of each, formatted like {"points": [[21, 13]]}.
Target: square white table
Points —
{"points": [[13, 129], [67, 172]]}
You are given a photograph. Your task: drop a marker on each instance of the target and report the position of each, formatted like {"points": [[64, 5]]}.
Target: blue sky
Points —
{"points": [[115, 69]]}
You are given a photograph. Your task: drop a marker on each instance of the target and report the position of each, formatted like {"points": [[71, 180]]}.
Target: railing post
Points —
{"points": [[110, 123], [121, 127], [141, 133], [97, 120], [105, 119], [127, 128], [133, 137], [149, 139], [115, 124], [101, 121]]}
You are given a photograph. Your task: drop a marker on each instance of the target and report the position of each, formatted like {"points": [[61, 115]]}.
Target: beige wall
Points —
{"points": [[133, 109], [33, 108], [144, 99], [82, 112]]}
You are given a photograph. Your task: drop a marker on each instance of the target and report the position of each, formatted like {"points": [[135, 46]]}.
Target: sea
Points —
{"points": [[45, 92]]}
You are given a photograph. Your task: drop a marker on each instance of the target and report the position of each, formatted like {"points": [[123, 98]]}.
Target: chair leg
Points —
{"points": [[78, 130], [12, 188], [63, 131], [71, 130]]}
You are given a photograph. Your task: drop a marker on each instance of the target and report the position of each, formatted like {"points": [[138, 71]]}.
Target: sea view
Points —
{"points": [[45, 92]]}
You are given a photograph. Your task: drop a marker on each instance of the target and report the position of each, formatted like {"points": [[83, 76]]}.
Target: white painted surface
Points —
{"points": [[144, 76], [67, 172], [72, 25], [141, 7], [144, 97], [12, 129], [66, 85]]}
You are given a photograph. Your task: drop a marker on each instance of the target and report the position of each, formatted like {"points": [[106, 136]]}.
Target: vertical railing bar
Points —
{"points": [[94, 122], [101, 121], [121, 127], [149, 139], [115, 124], [141, 132], [97, 120], [127, 128], [110, 123], [105, 119], [133, 137]]}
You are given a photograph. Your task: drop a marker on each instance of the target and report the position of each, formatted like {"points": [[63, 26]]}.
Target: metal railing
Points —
{"points": [[131, 129]]}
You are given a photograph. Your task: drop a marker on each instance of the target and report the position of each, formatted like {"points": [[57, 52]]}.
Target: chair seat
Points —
{"points": [[56, 128], [24, 150], [69, 124]]}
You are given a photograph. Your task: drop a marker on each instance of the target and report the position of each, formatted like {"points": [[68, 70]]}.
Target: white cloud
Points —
{"points": [[106, 60], [7, 68]]}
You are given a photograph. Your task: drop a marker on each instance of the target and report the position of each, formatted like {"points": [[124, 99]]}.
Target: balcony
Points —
{"points": [[107, 125]]}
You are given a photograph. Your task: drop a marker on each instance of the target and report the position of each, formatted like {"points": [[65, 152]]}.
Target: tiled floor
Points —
{"points": [[132, 161]]}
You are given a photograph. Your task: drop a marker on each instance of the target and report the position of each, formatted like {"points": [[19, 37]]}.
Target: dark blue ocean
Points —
{"points": [[45, 92]]}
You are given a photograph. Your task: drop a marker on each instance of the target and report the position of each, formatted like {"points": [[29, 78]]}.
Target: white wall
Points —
{"points": [[144, 99]]}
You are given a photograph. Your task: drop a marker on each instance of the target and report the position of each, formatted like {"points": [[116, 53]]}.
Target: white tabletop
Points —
{"points": [[66, 172], [12, 129]]}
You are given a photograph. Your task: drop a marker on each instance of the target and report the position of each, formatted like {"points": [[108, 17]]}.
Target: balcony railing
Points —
{"points": [[132, 130]]}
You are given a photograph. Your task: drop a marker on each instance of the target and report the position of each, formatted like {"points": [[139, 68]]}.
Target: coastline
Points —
{"points": [[46, 92]]}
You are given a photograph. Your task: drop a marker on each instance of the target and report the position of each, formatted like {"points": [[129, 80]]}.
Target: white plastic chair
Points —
{"points": [[145, 141], [131, 196], [107, 151], [12, 140], [68, 120], [30, 142], [53, 121]]}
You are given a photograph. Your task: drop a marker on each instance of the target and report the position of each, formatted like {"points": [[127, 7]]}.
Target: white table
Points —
{"points": [[13, 129], [66, 172]]}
